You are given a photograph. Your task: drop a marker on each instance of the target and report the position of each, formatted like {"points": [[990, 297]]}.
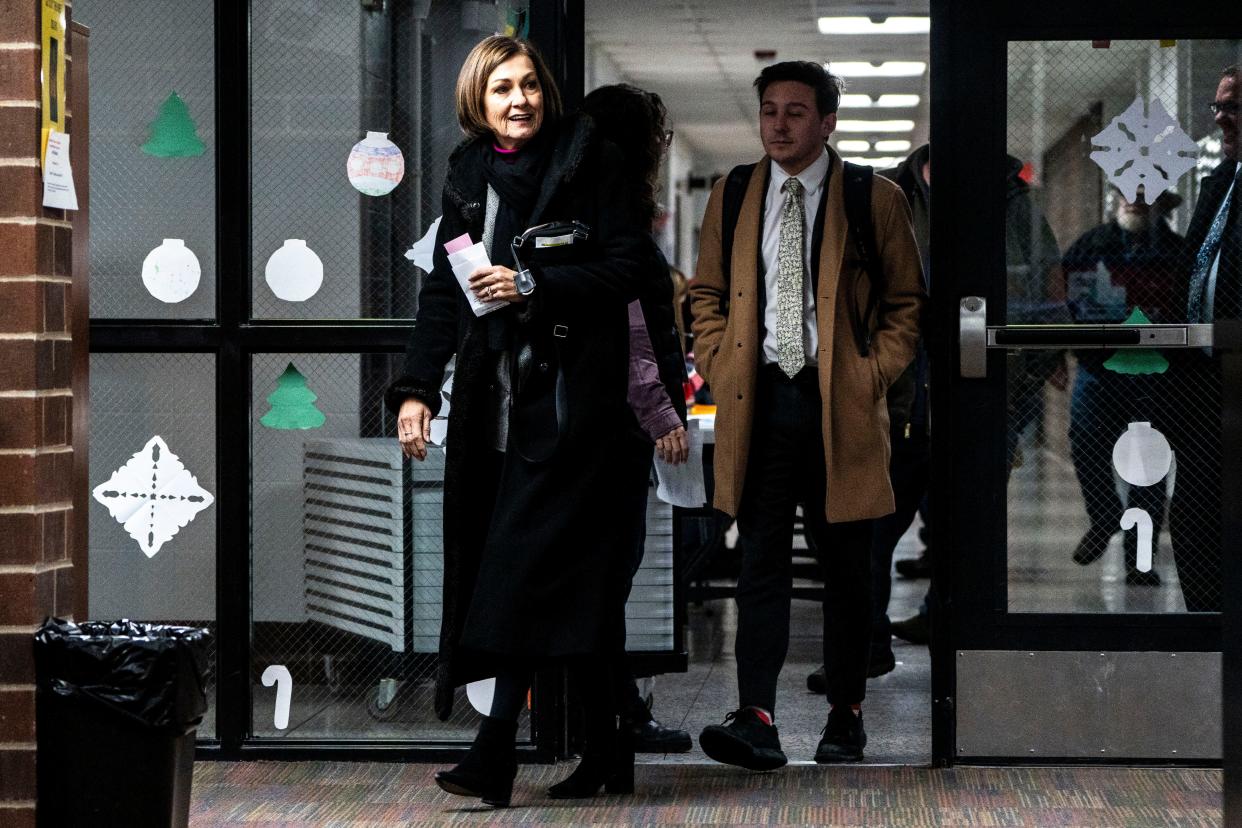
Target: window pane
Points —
{"points": [[347, 556], [153, 160], [1109, 151], [135, 398], [322, 80]]}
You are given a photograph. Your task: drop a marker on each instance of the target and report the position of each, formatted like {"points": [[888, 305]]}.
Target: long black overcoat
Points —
{"points": [[536, 561]]}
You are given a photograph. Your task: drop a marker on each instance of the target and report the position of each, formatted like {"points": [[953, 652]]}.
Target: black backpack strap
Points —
{"points": [[857, 190], [734, 193]]}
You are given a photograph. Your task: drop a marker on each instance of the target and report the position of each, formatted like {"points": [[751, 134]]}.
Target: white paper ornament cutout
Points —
{"points": [[278, 674], [153, 496], [1142, 455], [1144, 145], [171, 272], [375, 165], [480, 694], [422, 251], [294, 272]]}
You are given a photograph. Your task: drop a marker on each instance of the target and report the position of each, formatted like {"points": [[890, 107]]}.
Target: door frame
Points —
{"points": [[968, 86]]}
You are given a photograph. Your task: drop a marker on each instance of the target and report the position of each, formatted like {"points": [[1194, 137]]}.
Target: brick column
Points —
{"points": [[36, 403]]}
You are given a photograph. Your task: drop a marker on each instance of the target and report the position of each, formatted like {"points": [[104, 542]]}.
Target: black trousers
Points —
{"points": [[1194, 429], [910, 472], [786, 467]]}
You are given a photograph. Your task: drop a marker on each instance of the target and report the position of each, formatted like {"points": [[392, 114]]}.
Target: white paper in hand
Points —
{"points": [[682, 485]]}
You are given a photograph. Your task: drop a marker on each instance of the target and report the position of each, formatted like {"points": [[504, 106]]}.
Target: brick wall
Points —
{"points": [[36, 407]]}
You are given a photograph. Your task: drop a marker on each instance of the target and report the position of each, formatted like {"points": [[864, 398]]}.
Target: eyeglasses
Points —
{"points": [[1227, 108], [668, 138]]}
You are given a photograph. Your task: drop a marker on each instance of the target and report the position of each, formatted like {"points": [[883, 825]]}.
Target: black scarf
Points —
{"points": [[517, 178]]}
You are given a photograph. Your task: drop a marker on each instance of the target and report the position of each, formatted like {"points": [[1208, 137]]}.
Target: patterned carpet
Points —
{"points": [[365, 794]]}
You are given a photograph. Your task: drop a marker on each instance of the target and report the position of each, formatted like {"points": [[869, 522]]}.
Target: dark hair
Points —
{"points": [[1234, 72], [827, 86], [634, 120]]}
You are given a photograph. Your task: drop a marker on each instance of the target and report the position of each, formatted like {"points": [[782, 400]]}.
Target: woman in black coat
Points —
{"points": [[539, 398]]}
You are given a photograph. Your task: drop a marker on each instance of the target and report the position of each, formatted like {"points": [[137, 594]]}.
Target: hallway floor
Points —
{"points": [[305, 794]]}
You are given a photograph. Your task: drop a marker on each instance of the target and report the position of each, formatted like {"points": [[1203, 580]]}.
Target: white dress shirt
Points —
{"points": [[812, 180]]}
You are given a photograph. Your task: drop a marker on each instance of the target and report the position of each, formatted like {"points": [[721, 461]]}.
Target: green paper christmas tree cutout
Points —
{"points": [[293, 404], [1138, 361], [173, 133]]}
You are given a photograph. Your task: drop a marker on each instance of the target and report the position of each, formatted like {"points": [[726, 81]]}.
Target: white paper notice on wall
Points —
{"points": [[58, 189], [153, 496]]}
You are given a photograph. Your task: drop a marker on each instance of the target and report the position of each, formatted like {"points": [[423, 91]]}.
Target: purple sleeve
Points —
{"points": [[647, 395]]}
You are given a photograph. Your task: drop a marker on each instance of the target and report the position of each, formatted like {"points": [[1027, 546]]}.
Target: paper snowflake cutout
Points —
{"points": [[153, 496], [1144, 146]]}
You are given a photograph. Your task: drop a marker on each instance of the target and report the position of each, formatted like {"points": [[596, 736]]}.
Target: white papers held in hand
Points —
{"points": [[465, 258], [682, 485]]}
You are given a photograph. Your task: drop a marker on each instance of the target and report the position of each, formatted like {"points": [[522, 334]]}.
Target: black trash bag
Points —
{"points": [[150, 674]]}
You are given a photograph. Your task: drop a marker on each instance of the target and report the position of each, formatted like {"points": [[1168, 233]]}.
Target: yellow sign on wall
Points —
{"points": [[55, 41]]}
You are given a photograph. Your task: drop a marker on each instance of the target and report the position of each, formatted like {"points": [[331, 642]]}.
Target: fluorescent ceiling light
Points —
{"points": [[882, 162], [893, 101], [892, 146], [875, 126], [867, 26], [887, 69], [851, 101], [853, 145]]}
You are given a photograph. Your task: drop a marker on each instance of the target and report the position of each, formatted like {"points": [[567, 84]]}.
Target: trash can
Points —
{"points": [[117, 707]]}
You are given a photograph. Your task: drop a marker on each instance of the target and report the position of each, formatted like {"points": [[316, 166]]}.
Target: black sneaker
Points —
{"points": [[915, 630], [744, 740], [1092, 546], [652, 737], [844, 737], [914, 568], [882, 662], [1146, 579]]}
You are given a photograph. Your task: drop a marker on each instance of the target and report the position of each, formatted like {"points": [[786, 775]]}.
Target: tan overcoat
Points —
{"points": [[727, 347]]}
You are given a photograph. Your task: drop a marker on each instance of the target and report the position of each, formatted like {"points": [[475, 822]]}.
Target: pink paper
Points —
{"points": [[459, 243]]}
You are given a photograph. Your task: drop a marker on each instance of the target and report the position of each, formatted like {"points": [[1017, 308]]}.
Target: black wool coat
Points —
{"points": [[536, 545]]}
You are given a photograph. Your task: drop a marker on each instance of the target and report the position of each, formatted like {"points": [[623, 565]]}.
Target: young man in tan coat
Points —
{"points": [[799, 369]]}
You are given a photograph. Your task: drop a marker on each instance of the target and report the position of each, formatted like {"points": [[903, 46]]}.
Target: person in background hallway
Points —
{"points": [[635, 121], [1133, 261], [1034, 294], [1215, 293], [799, 370], [528, 577]]}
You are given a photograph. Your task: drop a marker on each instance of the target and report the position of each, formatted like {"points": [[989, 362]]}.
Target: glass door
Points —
{"points": [[1078, 444]]}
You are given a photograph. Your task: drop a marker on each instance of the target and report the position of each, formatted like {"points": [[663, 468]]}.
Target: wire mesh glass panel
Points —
{"points": [[1113, 454], [153, 553], [152, 158], [347, 557], [325, 78]]}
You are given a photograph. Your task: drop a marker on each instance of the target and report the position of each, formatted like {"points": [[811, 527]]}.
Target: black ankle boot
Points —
{"points": [[488, 770], [607, 762]]}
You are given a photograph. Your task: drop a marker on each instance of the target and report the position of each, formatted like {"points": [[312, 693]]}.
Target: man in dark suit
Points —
{"points": [[1215, 235]]}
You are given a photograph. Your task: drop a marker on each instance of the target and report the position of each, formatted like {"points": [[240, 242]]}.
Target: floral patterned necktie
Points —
{"points": [[790, 355], [1207, 255]]}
